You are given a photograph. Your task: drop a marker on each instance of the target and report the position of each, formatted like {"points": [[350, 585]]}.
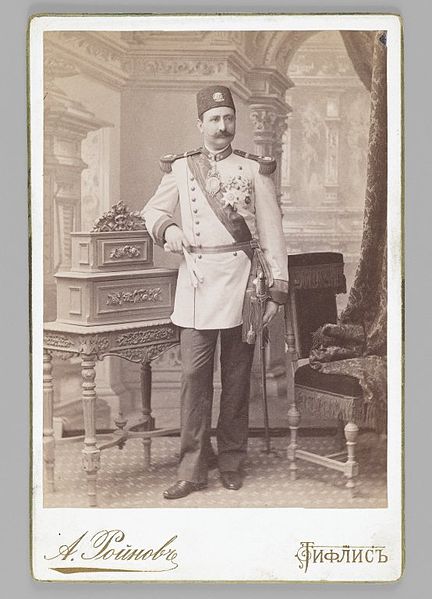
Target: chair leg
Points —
{"points": [[351, 466], [293, 422]]}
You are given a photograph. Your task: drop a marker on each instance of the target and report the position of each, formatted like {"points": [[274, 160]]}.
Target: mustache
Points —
{"points": [[223, 134]]}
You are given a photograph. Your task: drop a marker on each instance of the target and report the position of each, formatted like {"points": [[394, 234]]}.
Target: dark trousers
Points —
{"points": [[197, 355]]}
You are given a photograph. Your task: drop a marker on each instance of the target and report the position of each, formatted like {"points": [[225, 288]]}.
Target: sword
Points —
{"points": [[262, 296]]}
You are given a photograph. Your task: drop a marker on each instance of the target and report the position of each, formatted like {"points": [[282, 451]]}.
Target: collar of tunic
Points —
{"points": [[218, 155]]}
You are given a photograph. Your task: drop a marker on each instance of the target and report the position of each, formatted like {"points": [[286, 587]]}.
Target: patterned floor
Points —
{"points": [[122, 482]]}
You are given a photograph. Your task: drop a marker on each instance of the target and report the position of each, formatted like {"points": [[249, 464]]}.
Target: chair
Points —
{"points": [[315, 279]]}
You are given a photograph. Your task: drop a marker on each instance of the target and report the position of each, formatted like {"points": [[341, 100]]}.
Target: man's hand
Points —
{"points": [[175, 240], [270, 312]]}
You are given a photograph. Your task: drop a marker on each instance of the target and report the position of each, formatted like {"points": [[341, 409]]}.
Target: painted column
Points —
{"points": [[332, 121], [67, 124], [269, 127], [269, 118]]}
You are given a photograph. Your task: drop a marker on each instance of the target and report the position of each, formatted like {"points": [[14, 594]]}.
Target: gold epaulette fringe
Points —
{"points": [[166, 161], [267, 163]]}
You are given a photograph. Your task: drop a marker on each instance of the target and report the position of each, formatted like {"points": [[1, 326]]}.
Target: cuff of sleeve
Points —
{"points": [[160, 226], [279, 291]]}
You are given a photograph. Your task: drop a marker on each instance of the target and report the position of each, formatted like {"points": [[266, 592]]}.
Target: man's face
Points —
{"points": [[218, 127]]}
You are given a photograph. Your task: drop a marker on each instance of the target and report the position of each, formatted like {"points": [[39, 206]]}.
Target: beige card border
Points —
{"points": [[401, 256]]}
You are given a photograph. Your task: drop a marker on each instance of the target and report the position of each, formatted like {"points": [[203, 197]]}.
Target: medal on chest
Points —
{"points": [[213, 182]]}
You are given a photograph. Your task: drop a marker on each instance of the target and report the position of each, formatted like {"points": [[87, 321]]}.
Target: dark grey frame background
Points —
{"points": [[14, 279]]}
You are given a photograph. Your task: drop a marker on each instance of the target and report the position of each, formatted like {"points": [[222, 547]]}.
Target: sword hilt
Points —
{"points": [[261, 288]]}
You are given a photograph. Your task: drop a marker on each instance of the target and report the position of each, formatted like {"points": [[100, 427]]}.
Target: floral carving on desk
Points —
{"points": [[58, 341], [119, 218], [57, 354], [137, 296], [127, 251], [147, 336], [102, 344], [142, 354], [93, 344]]}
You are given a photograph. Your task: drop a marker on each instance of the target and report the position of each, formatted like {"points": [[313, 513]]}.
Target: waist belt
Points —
{"points": [[251, 248], [221, 249]]}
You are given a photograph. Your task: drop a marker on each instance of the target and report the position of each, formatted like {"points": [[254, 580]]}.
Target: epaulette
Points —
{"points": [[267, 163], [166, 161]]}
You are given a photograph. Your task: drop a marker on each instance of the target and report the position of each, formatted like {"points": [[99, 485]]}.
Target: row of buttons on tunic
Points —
{"points": [[195, 211], [197, 222]]}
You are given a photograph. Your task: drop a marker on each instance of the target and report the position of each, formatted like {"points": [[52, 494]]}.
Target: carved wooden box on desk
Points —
{"points": [[112, 302], [112, 280]]}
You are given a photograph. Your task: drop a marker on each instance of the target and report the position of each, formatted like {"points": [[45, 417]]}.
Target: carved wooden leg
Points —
{"points": [[146, 387], [293, 422], [48, 428], [351, 470], [90, 453]]}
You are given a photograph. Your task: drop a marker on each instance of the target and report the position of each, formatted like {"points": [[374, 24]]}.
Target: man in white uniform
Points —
{"points": [[230, 228]]}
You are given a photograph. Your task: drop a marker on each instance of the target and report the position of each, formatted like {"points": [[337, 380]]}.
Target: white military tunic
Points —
{"points": [[211, 287]]}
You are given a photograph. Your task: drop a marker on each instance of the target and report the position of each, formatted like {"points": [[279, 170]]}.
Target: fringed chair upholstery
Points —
{"points": [[315, 279]]}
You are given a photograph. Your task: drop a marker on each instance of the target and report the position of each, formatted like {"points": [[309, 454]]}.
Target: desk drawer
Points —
{"points": [[114, 252], [134, 252], [115, 300]]}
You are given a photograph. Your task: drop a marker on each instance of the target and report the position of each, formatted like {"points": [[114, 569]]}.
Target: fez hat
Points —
{"points": [[214, 97]]}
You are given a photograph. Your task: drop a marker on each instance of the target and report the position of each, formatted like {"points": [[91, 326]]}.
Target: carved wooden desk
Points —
{"points": [[139, 342]]}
